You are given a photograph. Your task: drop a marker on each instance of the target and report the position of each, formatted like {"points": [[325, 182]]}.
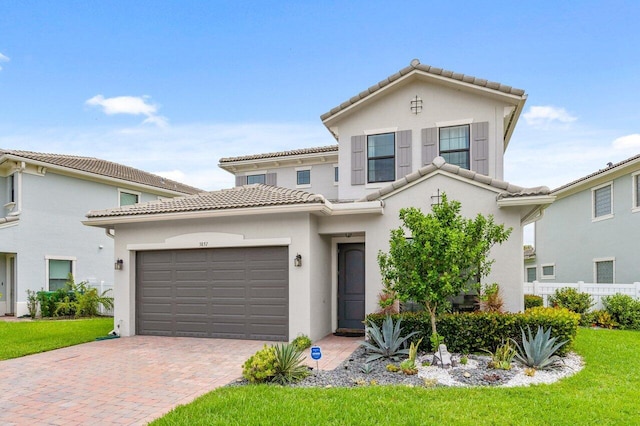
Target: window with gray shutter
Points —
{"points": [[358, 158], [270, 179], [251, 179], [241, 180], [480, 148], [381, 158], [602, 201], [403, 162], [454, 145], [604, 272], [429, 145]]}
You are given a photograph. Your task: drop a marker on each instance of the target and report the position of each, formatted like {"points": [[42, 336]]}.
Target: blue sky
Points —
{"points": [[170, 87]]}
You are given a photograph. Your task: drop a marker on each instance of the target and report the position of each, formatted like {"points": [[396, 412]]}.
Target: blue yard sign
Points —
{"points": [[316, 353]]}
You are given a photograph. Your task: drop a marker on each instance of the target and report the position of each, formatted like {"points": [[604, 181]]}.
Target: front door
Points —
{"points": [[351, 286]]}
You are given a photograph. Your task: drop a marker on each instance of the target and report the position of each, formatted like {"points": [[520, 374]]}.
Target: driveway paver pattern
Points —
{"points": [[128, 381]]}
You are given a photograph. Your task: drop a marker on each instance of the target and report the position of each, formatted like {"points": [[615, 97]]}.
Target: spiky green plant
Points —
{"points": [[386, 342], [289, 367], [538, 352], [502, 357]]}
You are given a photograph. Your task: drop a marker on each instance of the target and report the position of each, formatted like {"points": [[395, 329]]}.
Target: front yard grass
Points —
{"points": [[22, 338], [605, 392]]}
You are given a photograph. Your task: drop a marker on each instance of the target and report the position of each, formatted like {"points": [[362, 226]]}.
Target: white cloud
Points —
{"points": [[629, 142], [3, 58], [131, 105], [542, 116]]}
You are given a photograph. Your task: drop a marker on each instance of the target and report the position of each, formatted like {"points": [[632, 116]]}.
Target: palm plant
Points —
{"points": [[288, 366], [386, 342], [538, 352]]}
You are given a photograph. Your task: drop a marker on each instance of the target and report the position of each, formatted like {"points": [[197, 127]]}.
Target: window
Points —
{"points": [[128, 198], [636, 191], [602, 201], [454, 145], [531, 274], [604, 271], [336, 174], [256, 179], [303, 177], [59, 271], [12, 188], [548, 271], [381, 161]]}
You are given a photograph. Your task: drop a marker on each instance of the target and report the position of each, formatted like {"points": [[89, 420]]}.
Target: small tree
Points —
{"points": [[443, 255]]}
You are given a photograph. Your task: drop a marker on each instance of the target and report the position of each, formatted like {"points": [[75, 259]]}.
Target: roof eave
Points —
{"points": [[520, 201], [230, 166]]}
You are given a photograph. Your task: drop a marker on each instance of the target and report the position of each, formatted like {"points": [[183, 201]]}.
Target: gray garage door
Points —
{"points": [[235, 293]]}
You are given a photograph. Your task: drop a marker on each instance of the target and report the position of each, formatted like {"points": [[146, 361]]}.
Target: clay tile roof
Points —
{"points": [[256, 195], [303, 151], [509, 190], [104, 168], [599, 172], [417, 66]]}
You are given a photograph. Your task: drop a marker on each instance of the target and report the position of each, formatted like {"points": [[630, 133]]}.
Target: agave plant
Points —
{"points": [[386, 342], [288, 366], [538, 352]]}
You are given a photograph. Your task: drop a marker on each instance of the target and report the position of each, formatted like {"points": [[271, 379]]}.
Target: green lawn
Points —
{"points": [[21, 338], [605, 392]]}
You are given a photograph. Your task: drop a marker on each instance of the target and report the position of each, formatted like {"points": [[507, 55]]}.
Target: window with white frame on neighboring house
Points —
{"points": [[336, 174], [532, 274], [381, 160], [602, 201], [548, 271], [128, 198], [636, 191], [251, 179], [454, 145], [58, 271], [303, 177], [604, 271]]}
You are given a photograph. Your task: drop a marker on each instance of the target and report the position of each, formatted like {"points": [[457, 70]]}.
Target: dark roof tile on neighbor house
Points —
{"points": [[103, 168], [415, 65], [291, 153], [247, 196]]}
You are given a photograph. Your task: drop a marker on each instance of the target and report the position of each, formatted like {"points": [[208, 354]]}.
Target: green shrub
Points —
{"points": [[571, 299], [49, 301], [471, 332], [624, 309], [532, 301], [598, 318], [261, 366], [32, 303], [302, 342]]}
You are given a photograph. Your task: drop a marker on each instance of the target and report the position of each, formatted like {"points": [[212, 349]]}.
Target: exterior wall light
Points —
{"points": [[297, 261], [118, 265]]}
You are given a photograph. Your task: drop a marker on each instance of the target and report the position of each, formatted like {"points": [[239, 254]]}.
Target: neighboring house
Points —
{"points": [[44, 198], [286, 252], [592, 230], [530, 270]]}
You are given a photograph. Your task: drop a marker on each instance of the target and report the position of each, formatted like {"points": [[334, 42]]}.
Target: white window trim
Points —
{"points": [[547, 277], [380, 131], [593, 203], [301, 169], [603, 259], [453, 123], [534, 267], [635, 181], [48, 257], [127, 191], [335, 182]]}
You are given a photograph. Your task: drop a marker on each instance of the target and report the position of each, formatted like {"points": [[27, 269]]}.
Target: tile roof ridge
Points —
{"points": [[278, 154], [610, 166]]}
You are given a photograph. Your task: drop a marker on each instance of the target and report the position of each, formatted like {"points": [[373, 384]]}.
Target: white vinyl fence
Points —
{"points": [[101, 286], [597, 291]]}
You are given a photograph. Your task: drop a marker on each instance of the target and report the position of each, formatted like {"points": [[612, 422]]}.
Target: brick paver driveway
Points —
{"points": [[130, 380]]}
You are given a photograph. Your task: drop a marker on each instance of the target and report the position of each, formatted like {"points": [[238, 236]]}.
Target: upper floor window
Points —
{"points": [[256, 179], [636, 191], [303, 177], [603, 201], [58, 272], [604, 271], [336, 174], [454, 145], [128, 198], [381, 161], [12, 188]]}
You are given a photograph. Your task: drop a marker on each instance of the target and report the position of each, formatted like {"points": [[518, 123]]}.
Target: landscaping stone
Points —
{"points": [[442, 357]]}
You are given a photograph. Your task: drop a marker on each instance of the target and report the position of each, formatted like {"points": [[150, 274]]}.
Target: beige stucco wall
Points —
{"points": [[442, 106]]}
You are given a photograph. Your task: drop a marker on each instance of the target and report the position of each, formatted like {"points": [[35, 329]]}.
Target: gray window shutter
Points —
{"points": [[358, 159], [270, 179], [429, 145], [241, 180], [403, 153], [480, 147]]}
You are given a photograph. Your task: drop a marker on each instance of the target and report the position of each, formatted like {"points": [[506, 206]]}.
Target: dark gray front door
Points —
{"points": [[351, 286], [235, 293]]}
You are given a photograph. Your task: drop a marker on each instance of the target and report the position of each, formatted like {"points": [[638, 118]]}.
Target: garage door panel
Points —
{"points": [[237, 293]]}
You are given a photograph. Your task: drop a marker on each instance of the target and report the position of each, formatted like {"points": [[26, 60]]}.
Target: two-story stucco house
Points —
{"points": [[293, 247], [44, 198], [591, 232]]}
